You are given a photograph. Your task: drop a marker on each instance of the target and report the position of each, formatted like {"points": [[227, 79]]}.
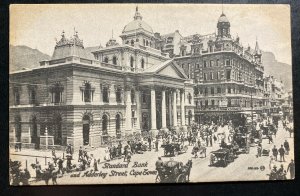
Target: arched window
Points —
{"points": [[115, 60], [132, 63], [147, 43], [106, 59], [104, 124], [87, 92], [118, 126], [57, 133], [142, 63], [132, 94], [18, 128], [105, 94]]}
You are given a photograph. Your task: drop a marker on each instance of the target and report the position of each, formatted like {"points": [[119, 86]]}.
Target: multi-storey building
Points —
{"points": [[83, 99], [228, 78]]}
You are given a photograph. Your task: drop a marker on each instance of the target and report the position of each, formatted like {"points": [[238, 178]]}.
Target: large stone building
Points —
{"points": [[83, 99], [146, 83]]}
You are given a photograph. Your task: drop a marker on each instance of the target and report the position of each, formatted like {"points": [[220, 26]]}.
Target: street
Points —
{"points": [[141, 169]]}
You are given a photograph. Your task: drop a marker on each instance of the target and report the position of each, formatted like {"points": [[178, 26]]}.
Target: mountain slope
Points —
{"points": [[21, 57], [281, 71]]}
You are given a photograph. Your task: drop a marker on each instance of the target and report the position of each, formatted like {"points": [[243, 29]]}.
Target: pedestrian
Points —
{"points": [[85, 154], [149, 141], [156, 145], [119, 149], [159, 166], [281, 153], [80, 154], [291, 169], [286, 147], [259, 149], [60, 166], [270, 138], [275, 152]]}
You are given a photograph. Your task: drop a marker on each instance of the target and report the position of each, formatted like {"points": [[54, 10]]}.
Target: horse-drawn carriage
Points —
{"points": [[221, 156], [173, 171], [242, 141], [173, 149]]}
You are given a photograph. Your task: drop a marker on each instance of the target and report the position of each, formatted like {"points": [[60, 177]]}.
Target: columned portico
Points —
{"points": [[138, 108]]}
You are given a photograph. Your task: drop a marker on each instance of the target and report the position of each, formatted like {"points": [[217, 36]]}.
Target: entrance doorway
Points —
{"points": [[86, 130]]}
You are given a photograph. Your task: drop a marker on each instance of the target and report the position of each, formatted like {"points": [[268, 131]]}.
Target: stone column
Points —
{"points": [[174, 109], [163, 110], [128, 127], [153, 110], [182, 107], [138, 110], [170, 108]]}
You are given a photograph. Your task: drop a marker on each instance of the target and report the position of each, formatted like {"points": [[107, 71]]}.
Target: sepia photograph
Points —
{"points": [[150, 93]]}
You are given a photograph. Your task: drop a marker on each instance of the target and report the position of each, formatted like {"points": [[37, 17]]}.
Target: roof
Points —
{"points": [[137, 24], [160, 67], [223, 18]]}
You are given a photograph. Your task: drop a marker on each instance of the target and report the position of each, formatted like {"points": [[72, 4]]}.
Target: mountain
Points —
{"points": [[281, 71], [22, 57], [25, 57]]}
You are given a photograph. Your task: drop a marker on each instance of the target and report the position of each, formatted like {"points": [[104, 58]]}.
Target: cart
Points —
{"points": [[222, 156], [173, 171], [174, 149], [242, 141]]}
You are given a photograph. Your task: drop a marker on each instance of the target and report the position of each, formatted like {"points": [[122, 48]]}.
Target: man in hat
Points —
{"points": [[286, 147], [281, 153], [291, 168], [159, 167], [273, 175], [80, 154], [275, 152]]}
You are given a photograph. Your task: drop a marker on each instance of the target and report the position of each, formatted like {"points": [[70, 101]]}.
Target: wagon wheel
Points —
{"points": [[181, 178]]}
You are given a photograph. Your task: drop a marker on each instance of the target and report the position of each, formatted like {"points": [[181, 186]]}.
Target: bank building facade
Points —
{"points": [[83, 99]]}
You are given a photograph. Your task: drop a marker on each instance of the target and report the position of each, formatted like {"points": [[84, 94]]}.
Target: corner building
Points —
{"points": [[228, 79], [81, 98]]}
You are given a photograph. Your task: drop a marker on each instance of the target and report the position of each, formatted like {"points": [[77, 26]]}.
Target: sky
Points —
{"points": [[38, 26]]}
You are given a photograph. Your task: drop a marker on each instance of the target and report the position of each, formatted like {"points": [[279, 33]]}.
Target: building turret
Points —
{"points": [[257, 53], [223, 27]]}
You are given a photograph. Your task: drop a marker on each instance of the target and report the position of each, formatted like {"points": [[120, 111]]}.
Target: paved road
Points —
{"points": [[239, 170]]}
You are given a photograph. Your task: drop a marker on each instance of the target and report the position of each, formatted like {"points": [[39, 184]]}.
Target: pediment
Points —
{"points": [[171, 70]]}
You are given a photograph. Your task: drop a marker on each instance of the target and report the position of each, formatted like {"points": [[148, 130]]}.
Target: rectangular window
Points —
{"points": [[205, 76], [197, 65], [217, 62], [212, 90], [213, 102], [17, 96], [206, 102], [218, 75], [211, 75], [219, 90], [204, 64], [229, 90], [227, 62], [211, 63]]}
